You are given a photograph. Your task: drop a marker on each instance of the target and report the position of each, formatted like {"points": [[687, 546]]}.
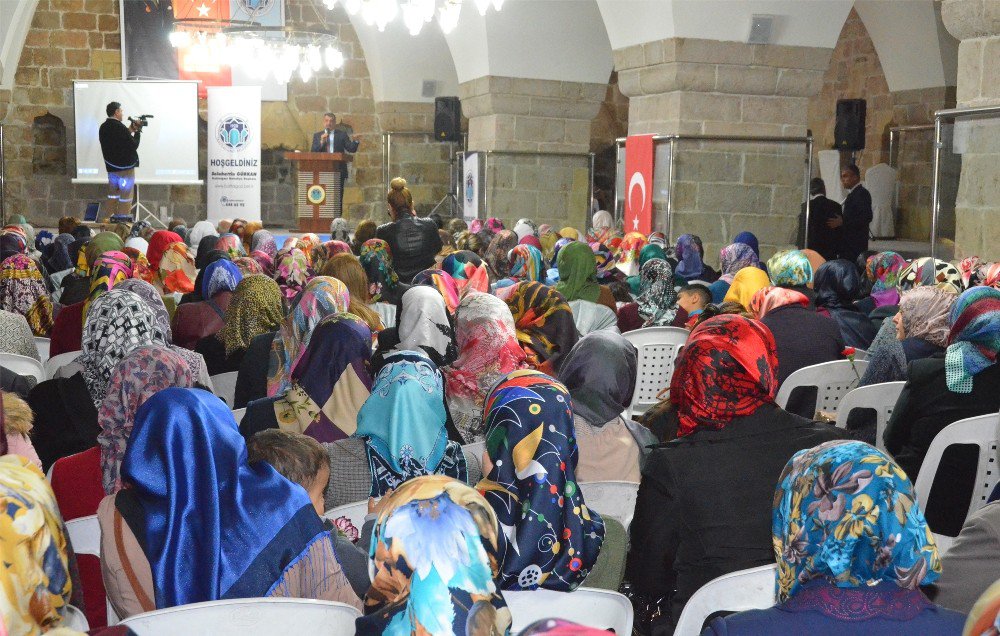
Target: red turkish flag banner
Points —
{"points": [[639, 184], [198, 61]]}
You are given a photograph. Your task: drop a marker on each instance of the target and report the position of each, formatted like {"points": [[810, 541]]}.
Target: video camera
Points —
{"points": [[140, 121]]}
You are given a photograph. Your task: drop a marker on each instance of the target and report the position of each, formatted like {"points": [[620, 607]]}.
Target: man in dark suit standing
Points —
{"points": [[821, 209], [332, 139], [857, 215]]}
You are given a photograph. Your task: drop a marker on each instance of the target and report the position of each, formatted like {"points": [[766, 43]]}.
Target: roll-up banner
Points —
{"points": [[233, 173]]}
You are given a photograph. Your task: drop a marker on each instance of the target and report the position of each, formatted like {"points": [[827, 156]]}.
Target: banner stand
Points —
{"points": [[233, 171]]}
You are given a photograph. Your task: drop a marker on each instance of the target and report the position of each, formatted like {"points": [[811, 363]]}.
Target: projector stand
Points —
{"points": [[142, 213]]}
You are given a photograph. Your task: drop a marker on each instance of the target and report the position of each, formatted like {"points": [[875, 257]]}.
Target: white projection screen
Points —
{"points": [[168, 151]]}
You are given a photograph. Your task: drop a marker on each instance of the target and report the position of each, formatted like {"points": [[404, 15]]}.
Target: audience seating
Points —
{"points": [[85, 537], [879, 397], [354, 511], [225, 386], [733, 592], [55, 362], [75, 620], [42, 344], [833, 380], [984, 432], [600, 609], [23, 365], [658, 348], [612, 498], [860, 354], [238, 414], [237, 617]]}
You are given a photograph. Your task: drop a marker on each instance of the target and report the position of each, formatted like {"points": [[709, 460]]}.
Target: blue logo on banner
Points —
{"points": [[233, 133]]}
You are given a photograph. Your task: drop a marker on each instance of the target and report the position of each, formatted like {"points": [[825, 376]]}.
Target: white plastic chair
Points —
{"points": [[85, 535], [23, 365], [612, 498], [238, 414], [225, 386], [354, 511], [860, 354], [600, 609], [42, 344], [984, 432], [658, 348], [476, 449], [237, 617], [879, 397], [386, 313], [832, 379], [74, 619], [733, 592], [55, 362]]}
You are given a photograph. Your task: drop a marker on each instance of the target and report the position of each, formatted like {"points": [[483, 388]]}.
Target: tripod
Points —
{"points": [[141, 213]]}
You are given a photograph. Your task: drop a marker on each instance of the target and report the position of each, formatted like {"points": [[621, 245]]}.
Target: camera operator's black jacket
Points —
{"points": [[118, 146]]}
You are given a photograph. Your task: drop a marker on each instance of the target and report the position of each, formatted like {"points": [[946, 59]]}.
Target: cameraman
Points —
{"points": [[118, 145]]}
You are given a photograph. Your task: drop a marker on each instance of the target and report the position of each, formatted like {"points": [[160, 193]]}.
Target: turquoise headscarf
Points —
{"points": [[974, 339], [790, 269]]}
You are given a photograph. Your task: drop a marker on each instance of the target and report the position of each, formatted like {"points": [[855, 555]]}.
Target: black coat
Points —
{"points": [[803, 338], [65, 418], [858, 216], [704, 504], [118, 145], [213, 351], [822, 239], [413, 243], [251, 381], [923, 409]]}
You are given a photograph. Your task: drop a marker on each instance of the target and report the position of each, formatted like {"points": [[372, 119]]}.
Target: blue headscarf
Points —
{"points": [[215, 527], [221, 275], [837, 284], [974, 339], [748, 238], [403, 424], [689, 266]]}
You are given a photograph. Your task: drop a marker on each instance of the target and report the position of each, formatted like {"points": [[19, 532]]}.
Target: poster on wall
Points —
{"points": [[470, 187], [147, 53], [233, 153], [639, 184]]}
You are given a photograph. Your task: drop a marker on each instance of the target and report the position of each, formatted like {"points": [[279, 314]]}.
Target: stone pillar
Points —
{"points": [[693, 86], [976, 24], [537, 118]]}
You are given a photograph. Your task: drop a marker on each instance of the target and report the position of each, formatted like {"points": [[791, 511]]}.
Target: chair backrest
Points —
{"points": [[225, 386], [832, 381], [42, 344], [984, 432], [386, 313], [658, 348], [23, 365], [734, 592], [52, 364], [879, 397], [355, 512], [600, 609], [74, 619], [85, 535], [237, 617], [860, 354], [612, 498], [238, 414]]}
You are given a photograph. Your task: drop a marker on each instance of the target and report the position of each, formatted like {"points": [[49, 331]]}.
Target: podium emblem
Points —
{"points": [[316, 194]]}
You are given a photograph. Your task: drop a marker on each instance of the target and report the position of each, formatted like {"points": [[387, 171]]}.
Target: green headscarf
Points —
{"points": [[578, 273], [103, 242], [648, 253]]}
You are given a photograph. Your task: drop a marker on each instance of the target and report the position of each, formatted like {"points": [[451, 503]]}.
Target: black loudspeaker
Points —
{"points": [[447, 119], [849, 131]]}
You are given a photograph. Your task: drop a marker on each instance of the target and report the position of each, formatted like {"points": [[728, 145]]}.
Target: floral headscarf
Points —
{"points": [[220, 276], [544, 323], [21, 284], [790, 269], [553, 539], [846, 512], [330, 382], [158, 243], [108, 270], [468, 270], [991, 275], [494, 224], [323, 252], [727, 369], [143, 372], [969, 270], [307, 243], [578, 273], [498, 253], [293, 272], [140, 266], [628, 253], [974, 339], [254, 309], [657, 299], [35, 581], [435, 553], [443, 282], [322, 296], [177, 269], [248, 266], [930, 272], [925, 312], [377, 263], [733, 258], [526, 264], [767, 299], [263, 241], [403, 424], [882, 270], [231, 244]]}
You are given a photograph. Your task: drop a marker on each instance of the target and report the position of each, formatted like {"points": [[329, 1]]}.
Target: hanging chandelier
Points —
{"points": [[260, 51], [416, 13]]}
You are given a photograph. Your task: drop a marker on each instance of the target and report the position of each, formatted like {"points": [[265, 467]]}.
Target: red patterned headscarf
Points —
{"points": [[727, 369], [767, 299]]}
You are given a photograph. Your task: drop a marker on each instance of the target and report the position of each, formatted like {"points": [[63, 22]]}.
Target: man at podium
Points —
{"points": [[332, 139]]}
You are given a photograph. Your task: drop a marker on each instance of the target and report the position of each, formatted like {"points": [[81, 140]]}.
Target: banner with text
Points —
{"points": [[470, 186], [639, 184], [233, 173]]}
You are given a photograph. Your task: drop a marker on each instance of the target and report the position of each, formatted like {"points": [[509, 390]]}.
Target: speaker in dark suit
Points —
{"points": [[332, 139], [822, 238], [857, 210]]}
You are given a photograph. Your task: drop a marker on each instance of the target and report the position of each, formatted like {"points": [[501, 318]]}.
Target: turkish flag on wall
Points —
{"points": [[639, 184], [196, 61]]}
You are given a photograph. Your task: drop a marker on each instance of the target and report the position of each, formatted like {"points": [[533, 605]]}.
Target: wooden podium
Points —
{"points": [[318, 188]]}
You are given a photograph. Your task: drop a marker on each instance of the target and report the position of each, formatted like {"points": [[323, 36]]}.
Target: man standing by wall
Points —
{"points": [[332, 139], [118, 145], [857, 215], [823, 239]]}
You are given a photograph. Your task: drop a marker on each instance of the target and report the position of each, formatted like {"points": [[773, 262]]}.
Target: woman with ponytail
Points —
{"points": [[413, 241]]}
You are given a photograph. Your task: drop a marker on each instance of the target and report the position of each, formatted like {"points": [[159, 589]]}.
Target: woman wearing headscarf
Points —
{"points": [[647, 253], [690, 265], [602, 226], [321, 297], [16, 336], [990, 274], [450, 588], [254, 309], [23, 291], [929, 272], [941, 389], [526, 266], [469, 272], [231, 244], [793, 270], [194, 321], [630, 252], [108, 269], [487, 351], [340, 230], [525, 227], [578, 276], [58, 266], [176, 273], [423, 326], [747, 282], [732, 259], [256, 535], [704, 499], [328, 385], [346, 268], [852, 549], [881, 274], [252, 228], [403, 424], [544, 324], [530, 481], [498, 254], [200, 231], [749, 239], [443, 282], [365, 231], [237, 228], [921, 324], [656, 301], [384, 287], [35, 583], [837, 285], [802, 337], [158, 244], [292, 273], [600, 373], [322, 253]]}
